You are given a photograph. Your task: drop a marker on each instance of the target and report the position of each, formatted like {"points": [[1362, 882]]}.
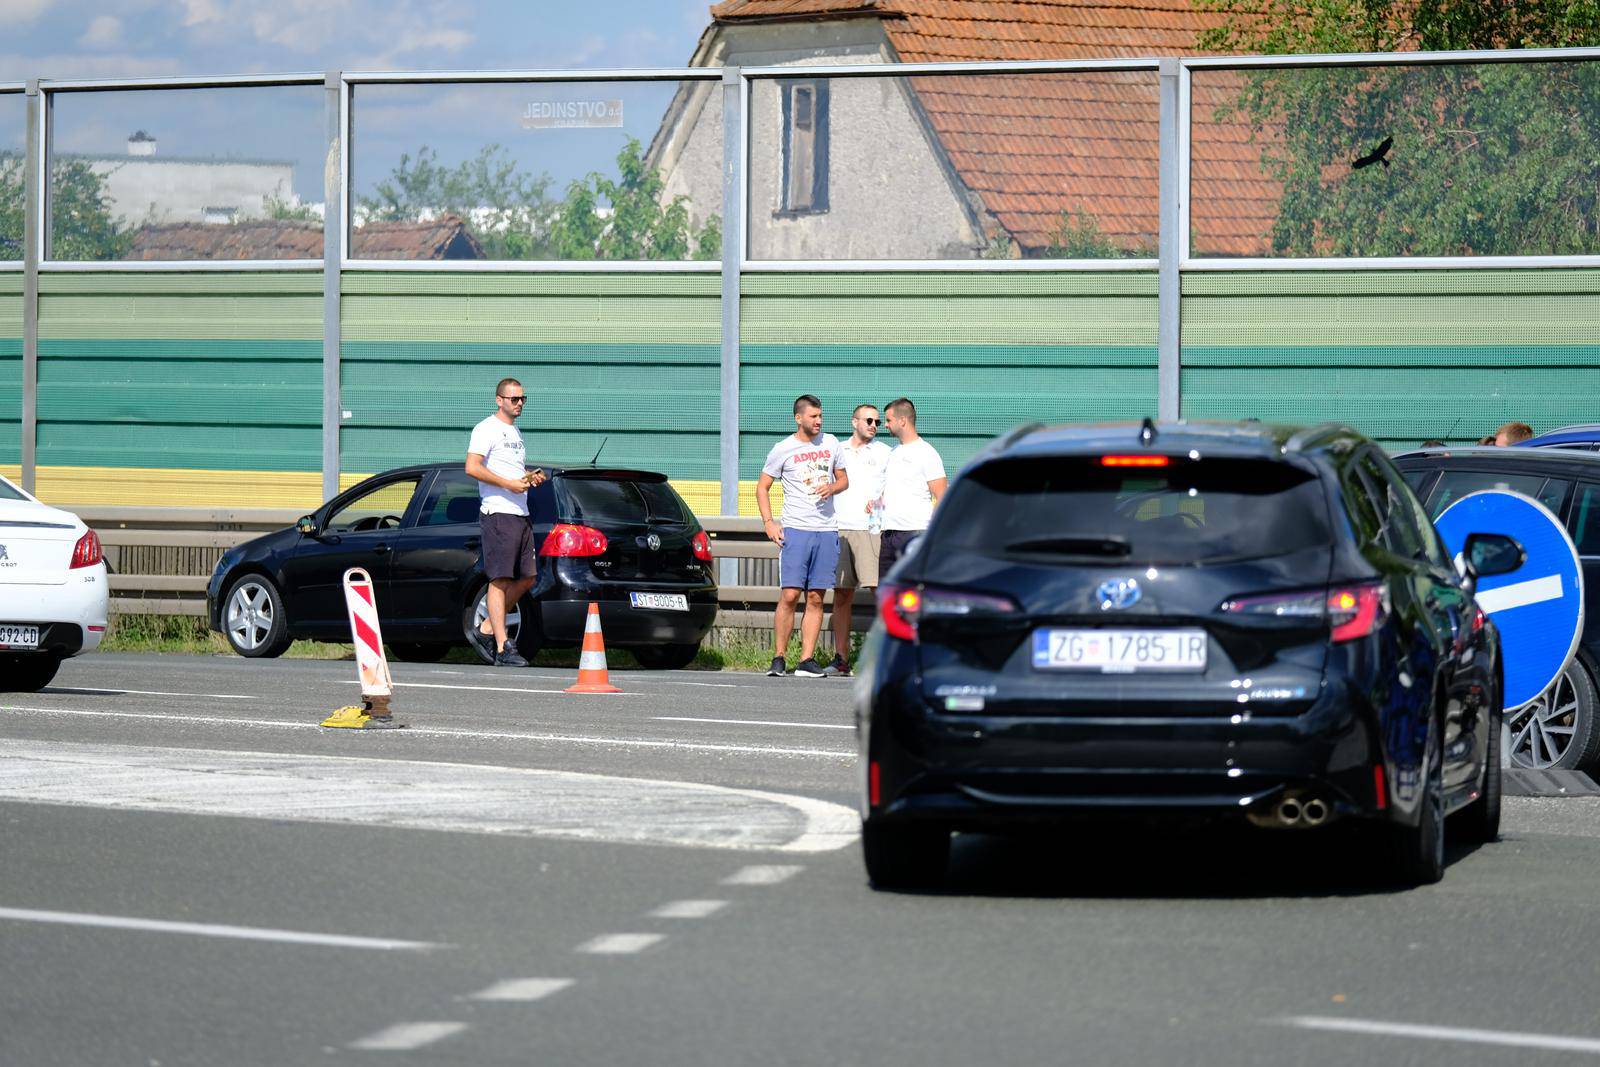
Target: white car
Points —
{"points": [[53, 590]]}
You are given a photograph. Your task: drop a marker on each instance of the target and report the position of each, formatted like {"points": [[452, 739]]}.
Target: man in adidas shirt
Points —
{"points": [[811, 466], [497, 458], [913, 482]]}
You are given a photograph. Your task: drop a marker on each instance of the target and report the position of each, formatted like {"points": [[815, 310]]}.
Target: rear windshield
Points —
{"points": [[1187, 512], [608, 500]]}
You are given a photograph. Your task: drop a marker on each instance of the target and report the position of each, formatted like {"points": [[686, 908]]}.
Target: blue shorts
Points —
{"points": [[808, 559]]}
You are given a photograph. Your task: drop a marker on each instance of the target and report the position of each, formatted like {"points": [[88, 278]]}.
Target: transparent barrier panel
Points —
{"points": [[994, 166], [1484, 159], [537, 171], [13, 143], [229, 173]]}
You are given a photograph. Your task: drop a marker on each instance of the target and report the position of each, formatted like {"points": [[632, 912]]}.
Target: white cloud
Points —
{"points": [[200, 12], [69, 66], [22, 12], [105, 31]]}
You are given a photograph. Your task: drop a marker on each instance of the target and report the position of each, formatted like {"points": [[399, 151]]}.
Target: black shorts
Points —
{"points": [[507, 546]]}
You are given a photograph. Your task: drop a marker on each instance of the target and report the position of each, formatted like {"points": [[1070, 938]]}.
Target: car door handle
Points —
{"points": [[473, 542], [380, 550]]}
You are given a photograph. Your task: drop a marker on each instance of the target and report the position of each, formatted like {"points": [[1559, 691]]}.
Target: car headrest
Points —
{"points": [[462, 509]]}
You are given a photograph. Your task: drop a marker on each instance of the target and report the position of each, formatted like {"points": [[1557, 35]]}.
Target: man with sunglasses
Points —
{"points": [[858, 534], [497, 458]]}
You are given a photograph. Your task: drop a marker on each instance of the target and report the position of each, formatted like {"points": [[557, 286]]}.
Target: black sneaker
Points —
{"points": [[510, 658], [485, 644], [809, 668], [839, 668], [778, 668]]}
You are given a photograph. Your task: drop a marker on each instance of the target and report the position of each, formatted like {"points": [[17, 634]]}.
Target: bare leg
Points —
{"points": [[506, 591], [811, 625], [783, 620], [843, 600]]}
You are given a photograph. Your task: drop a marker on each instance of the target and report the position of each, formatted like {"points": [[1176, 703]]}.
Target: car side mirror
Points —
{"points": [[307, 525], [1488, 554]]}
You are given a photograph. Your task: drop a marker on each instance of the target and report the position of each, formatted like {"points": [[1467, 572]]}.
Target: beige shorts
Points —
{"points": [[858, 560]]}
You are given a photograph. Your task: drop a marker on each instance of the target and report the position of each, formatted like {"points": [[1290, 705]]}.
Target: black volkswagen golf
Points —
{"points": [[1180, 620], [622, 538]]}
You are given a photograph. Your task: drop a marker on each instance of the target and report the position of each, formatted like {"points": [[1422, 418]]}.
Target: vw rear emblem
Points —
{"points": [[653, 541], [1118, 593]]}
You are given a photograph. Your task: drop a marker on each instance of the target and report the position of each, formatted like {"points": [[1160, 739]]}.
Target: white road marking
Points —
{"points": [[1519, 594], [479, 688], [419, 795], [689, 909], [240, 933], [522, 989], [756, 722], [620, 944], [761, 875], [493, 735], [403, 1037], [67, 690], [1509, 1038]]}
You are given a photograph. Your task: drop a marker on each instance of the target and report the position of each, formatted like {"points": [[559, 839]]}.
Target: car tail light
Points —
{"points": [[1380, 795], [874, 784], [86, 553], [902, 606], [566, 539], [1353, 610], [1135, 461], [1356, 610], [1477, 620], [700, 544]]}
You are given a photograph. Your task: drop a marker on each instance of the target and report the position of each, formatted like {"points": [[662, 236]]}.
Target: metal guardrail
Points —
{"points": [[162, 558]]}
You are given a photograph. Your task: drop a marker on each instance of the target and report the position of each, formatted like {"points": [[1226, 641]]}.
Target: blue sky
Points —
{"points": [[162, 38], [77, 39]]}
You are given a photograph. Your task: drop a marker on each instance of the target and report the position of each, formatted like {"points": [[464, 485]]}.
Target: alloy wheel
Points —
{"points": [[480, 614], [250, 615], [1542, 730]]}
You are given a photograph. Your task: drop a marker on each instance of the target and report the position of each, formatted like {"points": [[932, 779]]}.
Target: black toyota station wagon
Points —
{"points": [[1559, 729], [622, 538], [1180, 620]]}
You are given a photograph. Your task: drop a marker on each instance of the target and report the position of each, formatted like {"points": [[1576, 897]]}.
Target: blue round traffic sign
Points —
{"points": [[1538, 608]]}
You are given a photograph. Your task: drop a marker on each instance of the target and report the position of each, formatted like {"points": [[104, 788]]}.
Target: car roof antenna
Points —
{"points": [[599, 450], [1147, 431]]}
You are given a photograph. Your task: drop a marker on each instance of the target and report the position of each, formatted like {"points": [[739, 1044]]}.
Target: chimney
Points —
{"points": [[141, 144]]}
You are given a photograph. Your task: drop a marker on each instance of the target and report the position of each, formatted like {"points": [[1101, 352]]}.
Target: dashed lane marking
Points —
{"points": [[620, 944], [239, 933], [419, 795], [757, 722], [1507, 1038], [68, 690], [479, 688], [416, 731], [689, 909], [403, 1037], [523, 989], [767, 875]]}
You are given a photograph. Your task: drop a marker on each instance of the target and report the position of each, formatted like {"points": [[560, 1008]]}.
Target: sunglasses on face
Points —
{"points": [[869, 420], [514, 399]]}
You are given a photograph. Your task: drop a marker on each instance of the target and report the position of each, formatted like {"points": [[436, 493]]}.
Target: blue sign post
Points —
{"points": [[1538, 608]]}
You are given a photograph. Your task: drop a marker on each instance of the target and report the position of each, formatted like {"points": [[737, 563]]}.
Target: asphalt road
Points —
{"points": [[193, 872]]}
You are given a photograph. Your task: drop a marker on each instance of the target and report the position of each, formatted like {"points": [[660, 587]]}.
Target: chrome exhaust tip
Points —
{"points": [[1289, 811], [1314, 812]]}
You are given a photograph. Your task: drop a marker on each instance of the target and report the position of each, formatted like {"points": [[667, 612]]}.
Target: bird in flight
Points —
{"points": [[1375, 156]]}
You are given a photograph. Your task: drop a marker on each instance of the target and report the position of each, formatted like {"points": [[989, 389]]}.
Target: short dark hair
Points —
{"points": [[501, 388], [857, 409], [806, 400], [1433, 442], [904, 408]]}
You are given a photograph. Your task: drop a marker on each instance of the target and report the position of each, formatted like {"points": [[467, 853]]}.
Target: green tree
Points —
{"points": [[1473, 159], [505, 208], [627, 217], [81, 224], [281, 210], [1078, 236], [11, 206]]}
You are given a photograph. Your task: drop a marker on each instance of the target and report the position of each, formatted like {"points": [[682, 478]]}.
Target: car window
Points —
{"points": [[10, 492], [1188, 511], [1362, 507], [453, 500], [1407, 529], [1585, 520], [1455, 484], [610, 500], [380, 508]]}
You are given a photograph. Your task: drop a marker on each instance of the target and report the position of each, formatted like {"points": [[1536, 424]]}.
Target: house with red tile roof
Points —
{"points": [[445, 237], [962, 166]]}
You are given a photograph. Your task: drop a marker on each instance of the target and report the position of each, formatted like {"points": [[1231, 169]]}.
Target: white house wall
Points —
{"points": [[162, 191]]}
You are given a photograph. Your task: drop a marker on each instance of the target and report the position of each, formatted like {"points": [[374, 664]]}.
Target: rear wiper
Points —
{"points": [[1073, 546]]}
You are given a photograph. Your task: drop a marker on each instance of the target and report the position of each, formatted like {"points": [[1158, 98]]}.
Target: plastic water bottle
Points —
{"points": [[875, 520]]}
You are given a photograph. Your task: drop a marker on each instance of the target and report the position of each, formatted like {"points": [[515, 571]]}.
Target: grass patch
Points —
{"points": [[723, 650]]}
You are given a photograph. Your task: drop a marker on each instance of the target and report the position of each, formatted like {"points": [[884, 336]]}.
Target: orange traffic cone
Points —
{"points": [[592, 674]]}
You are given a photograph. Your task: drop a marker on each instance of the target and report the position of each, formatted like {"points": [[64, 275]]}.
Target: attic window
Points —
{"points": [[805, 147]]}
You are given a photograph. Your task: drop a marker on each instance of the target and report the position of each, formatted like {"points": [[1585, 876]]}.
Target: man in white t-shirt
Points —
{"points": [[858, 536], [811, 466], [496, 457], [913, 482]]}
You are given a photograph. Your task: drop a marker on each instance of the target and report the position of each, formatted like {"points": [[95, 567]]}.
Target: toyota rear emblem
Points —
{"points": [[1118, 593], [653, 541]]}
